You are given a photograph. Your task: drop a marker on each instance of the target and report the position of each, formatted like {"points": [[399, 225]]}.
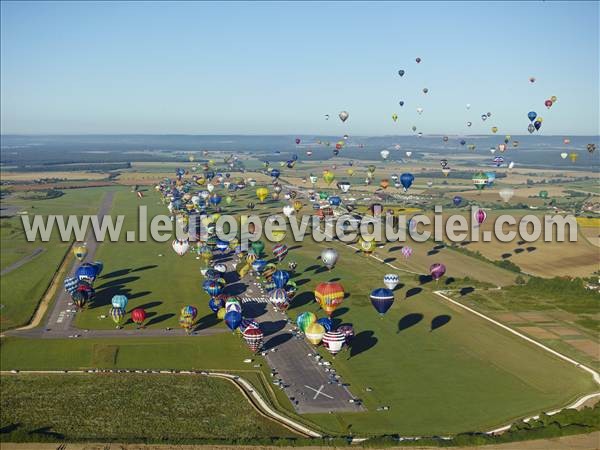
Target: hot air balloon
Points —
{"points": [[305, 319], [391, 280], [329, 256], [457, 199], [343, 116], [79, 298], [334, 341], [253, 338], [280, 251], [494, 129], [262, 193], [564, 155], [258, 247], [117, 315], [314, 333], [506, 194], [384, 154], [543, 194], [480, 216], [70, 284], [406, 179], [297, 141], [437, 271], [537, 124], [279, 299], [326, 322], [394, 117], [480, 180], [328, 177], [119, 301], [180, 247], [382, 300], [138, 316], [401, 102], [232, 319], [407, 252], [280, 278], [329, 295], [418, 60], [573, 156], [591, 148], [548, 103], [80, 251], [401, 72], [367, 246], [425, 90]]}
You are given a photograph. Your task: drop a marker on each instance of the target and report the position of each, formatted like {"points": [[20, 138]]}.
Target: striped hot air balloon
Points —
{"points": [[329, 295], [334, 341], [382, 300], [253, 337], [248, 323], [71, 284], [391, 280], [279, 299], [280, 251], [117, 315]]}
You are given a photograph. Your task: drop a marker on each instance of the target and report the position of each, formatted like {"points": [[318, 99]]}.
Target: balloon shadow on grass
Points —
{"points": [[301, 300], [277, 340], [424, 279], [408, 321], [206, 321], [271, 327], [439, 321], [363, 341], [159, 319], [413, 291], [467, 290]]}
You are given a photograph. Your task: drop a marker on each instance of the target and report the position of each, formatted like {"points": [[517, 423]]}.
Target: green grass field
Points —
{"points": [[439, 368], [132, 407], [23, 287]]}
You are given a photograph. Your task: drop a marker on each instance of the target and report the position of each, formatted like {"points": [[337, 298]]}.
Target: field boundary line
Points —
{"points": [[247, 389], [575, 404]]}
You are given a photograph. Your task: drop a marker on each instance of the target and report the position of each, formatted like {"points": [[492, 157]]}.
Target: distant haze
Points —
{"points": [[279, 68]]}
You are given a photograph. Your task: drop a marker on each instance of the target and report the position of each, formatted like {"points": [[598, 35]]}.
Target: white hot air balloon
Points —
{"points": [[391, 280], [288, 210], [210, 187], [180, 247], [564, 155], [408, 154], [511, 164], [344, 186], [506, 194], [384, 154], [420, 110], [329, 256], [468, 106]]}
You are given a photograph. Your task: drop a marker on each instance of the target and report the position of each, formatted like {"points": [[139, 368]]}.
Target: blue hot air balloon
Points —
{"points": [[215, 199], [335, 200], [259, 265], [119, 301], [406, 179], [222, 245], [215, 303], [275, 173], [233, 319], [280, 278], [457, 200], [382, 299], [531, 115], [71, 284], [87, 272], [212, 287], [463, 142], [326, 322]]}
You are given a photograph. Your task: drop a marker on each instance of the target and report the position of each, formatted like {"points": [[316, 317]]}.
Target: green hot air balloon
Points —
{"points": [[480, 180], [258, 247], [543, 194]]}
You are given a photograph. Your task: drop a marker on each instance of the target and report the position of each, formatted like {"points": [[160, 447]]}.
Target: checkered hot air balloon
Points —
{"points": [[329, 295], [254, 338], [334, 341], [407, 252], [71, 284]]}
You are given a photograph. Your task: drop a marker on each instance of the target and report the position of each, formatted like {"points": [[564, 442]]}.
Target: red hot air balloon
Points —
{"points": [[334, 341], [253, 337], [548, 103], [138, 316], [437, 271]]}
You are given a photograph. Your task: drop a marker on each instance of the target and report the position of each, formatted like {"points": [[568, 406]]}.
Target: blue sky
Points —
{"points": [[278, 68]]}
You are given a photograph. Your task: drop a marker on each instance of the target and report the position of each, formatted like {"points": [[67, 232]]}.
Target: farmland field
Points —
{"points": [[130, 407]]}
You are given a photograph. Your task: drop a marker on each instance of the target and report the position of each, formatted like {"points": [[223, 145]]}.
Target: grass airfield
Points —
{"points": [[440, 369]]}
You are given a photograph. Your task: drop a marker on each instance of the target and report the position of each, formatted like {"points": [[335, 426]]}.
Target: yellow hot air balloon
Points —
{"points": [[394, 117], [80, 251], [350, 172], [201, 181], [262, 193], [573, 156], [278, 235], [221, 313], [367, 245], [243, 270], [314, 333], [553, 98], [297, 205], [494, 129], [328, 177]]}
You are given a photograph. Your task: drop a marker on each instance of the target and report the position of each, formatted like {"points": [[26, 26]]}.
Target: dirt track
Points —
{"points": [[578, 442]]}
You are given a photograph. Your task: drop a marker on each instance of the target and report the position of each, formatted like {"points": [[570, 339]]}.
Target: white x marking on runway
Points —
{"points": [[318, 392]]}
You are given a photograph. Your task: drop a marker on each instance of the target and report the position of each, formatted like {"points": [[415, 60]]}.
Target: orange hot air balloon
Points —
{"points": [[384, 183], [330, 296]]}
